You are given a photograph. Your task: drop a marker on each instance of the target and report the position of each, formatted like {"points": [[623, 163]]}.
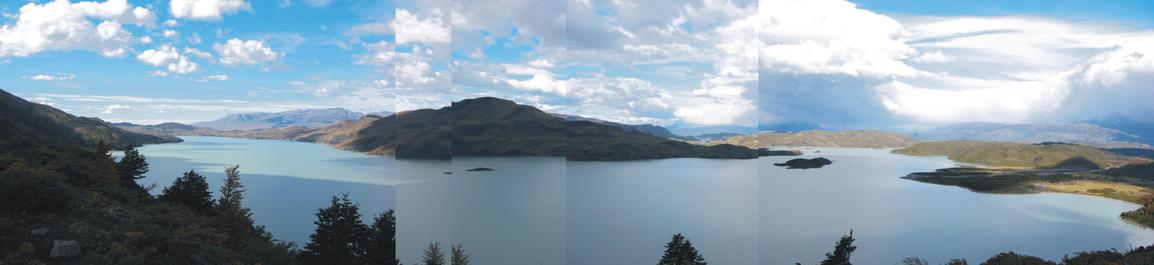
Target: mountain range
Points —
{"points": [[495, 127], [42, 123], [299, 118], [819, 138]]}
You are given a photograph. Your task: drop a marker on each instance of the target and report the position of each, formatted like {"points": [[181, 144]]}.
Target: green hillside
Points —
{"points": [[1003, 154]]}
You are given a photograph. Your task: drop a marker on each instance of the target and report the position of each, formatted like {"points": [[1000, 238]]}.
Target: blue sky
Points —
{"points": [[692, 65]]}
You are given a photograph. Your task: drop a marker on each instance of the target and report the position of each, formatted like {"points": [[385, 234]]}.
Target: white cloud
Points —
{"points": [[170, 58], [182, 66], [995, 103], [216, 78], [64, 26], [206, 9], [1119, 63], [415, 69], [379, 53], [540, 79], [160, 56], [832, 36], [198, 53], [411, 28], [933, 57], [50, 77], [109, 109], [249, 52]]}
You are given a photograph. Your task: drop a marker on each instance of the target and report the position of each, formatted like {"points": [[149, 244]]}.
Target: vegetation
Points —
{"points": [[679, 251], [382, 241], [841, 252], [132, 166], [112, 223], [434, 255], [340, 238], [802, 163], [458, 255], [1002, 154], [191, 191]]}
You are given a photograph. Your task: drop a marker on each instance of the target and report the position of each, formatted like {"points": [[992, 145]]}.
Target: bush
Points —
{"points": [[24, 189]]}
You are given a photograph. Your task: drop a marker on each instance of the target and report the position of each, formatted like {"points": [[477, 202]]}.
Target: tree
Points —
{"points": [[957, 262], [340, 237], [841, 252], [434, 255], [458, 255], [233, 219], [382, 245], [679, 251], [190, 190], [132, 166], [1011, 258], [914, 261], [103, 172]]}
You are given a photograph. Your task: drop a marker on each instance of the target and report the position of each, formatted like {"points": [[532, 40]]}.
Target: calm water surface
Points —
{"points": [[534, 210]]}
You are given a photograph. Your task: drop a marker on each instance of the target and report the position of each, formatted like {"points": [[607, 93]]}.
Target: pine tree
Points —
{"points": [[458, 255], [233, 219], [679, 251], [190, 190], [340, 237], [132, 166], [382, 246], [434, 255], [841, 252], [103, 172]]}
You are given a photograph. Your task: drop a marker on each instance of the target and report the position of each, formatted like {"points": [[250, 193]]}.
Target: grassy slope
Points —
{"points": [[1002, 154]]}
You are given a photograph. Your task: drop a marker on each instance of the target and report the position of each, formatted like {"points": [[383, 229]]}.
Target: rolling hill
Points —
{"points": [[1006, 154]]}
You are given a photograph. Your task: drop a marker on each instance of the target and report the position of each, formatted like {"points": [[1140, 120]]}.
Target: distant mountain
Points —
{"points": [[381, 113], [644, 128], [20, 119], [1122, 123], [1079, 133], [168, 128], [858, 139], [690, 129], [264, 120], [714, 136], [497, 127], [789, 127]]}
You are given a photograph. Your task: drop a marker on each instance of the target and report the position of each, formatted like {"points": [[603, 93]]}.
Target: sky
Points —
{"points": [[691, 65]]}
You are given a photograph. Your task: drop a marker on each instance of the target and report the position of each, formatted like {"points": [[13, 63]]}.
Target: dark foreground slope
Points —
{"points": [[64, 202], [37, 122], [497, 127]]}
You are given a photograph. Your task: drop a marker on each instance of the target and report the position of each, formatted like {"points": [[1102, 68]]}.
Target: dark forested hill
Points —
{"points": [[47, 125]]}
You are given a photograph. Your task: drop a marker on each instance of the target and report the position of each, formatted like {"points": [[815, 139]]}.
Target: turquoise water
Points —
{"points": [[533, 210]]}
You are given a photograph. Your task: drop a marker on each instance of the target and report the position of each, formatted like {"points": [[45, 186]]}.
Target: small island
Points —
{"points": [[476, 169], [767, 152], [802, 163]]}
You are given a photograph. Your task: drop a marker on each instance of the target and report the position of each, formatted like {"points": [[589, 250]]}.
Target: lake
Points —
{"points": [[534, 210]]}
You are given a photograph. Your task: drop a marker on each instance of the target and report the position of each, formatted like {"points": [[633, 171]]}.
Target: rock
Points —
{"points": [[40, 231], [802, 163], [480, 169], [64, 248], [448, 173]]}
